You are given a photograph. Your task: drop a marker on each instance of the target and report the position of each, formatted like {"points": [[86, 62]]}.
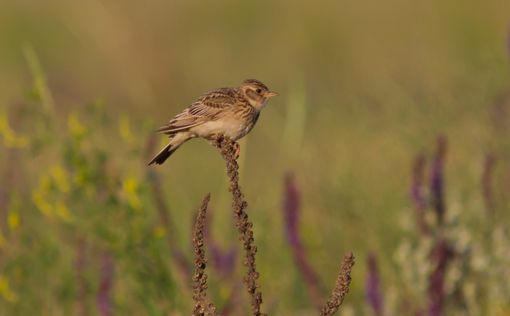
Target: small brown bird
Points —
{"points": [[225, 112]]}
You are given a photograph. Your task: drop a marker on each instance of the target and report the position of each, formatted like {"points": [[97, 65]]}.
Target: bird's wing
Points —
{"points": [[205, 109]]}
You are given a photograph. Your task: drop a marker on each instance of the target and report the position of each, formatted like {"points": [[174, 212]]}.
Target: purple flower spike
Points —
{"points": [[437, 179], [372, 287], [223, 260], [291, 210], [291, 204], [441, 256], [104, 304]]}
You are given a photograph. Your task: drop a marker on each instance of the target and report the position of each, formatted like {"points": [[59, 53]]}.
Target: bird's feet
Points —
{"points": [[237, 149], [218, 141]]}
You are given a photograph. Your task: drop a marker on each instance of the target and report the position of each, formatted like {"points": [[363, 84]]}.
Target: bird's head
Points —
{"points": [[256, 93]]}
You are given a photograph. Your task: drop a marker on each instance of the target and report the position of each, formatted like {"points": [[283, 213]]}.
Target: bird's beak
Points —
{"points": [[271, 94]]}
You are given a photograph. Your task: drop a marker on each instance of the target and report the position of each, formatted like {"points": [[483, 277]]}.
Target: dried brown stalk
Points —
{"points": [[244, 226], [341, 287], [202, 306]]}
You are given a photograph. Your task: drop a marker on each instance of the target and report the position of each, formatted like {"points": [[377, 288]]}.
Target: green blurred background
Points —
{"points": [[364, 87]]}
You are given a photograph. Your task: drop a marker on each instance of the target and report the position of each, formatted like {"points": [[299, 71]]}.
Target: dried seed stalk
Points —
{"points": [[202, 306], [244, 226], [341, 287]]}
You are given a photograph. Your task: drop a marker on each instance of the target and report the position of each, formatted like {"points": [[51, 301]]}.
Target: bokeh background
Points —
{"points": [[366, 88]]}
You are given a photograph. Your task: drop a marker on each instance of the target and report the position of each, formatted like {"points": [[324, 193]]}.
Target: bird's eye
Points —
{"points": [[259, 90]]}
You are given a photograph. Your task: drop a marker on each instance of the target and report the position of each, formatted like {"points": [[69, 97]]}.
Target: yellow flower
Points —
{"points": [[39, 193], [13, 220], [125, 129], [56, 177], [60, 178], [130, 190], [6, 291], [75, 127], [11, 140], [62, 211], [225, 292], [41, 204], [159, 232]]}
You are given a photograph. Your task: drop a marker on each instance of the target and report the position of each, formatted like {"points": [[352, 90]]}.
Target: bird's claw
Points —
{"points": [[218, 140], [237, 149]]}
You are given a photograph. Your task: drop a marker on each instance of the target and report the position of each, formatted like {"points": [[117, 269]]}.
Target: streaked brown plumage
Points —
{"points": [[227, 112]]}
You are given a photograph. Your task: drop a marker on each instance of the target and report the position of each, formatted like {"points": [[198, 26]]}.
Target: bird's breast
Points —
{"points": [[233, 127]]}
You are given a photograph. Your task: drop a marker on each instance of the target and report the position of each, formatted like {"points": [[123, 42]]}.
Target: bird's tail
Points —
{"points": [[168, 150]]}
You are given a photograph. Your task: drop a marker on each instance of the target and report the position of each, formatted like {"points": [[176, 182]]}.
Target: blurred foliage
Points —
{"points": [[364, 87]]}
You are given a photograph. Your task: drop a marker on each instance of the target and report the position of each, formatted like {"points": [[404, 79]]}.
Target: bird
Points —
{"points": [[225, 112]]}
